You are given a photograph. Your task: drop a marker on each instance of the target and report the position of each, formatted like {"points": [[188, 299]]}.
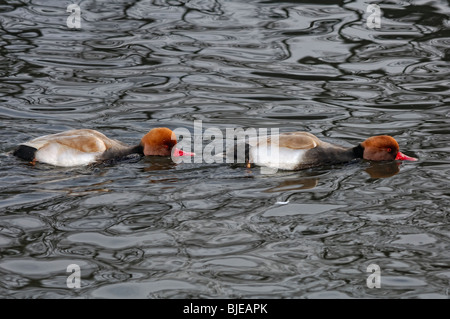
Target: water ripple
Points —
{"points": [[158, 229]]}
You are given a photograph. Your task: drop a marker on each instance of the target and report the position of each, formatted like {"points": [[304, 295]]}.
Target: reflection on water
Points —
{"points": [[296, 184], [383, 170], [151, 228]]}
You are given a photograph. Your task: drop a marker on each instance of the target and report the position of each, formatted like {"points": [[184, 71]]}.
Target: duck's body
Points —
{"points": [[72, 148], [299, 150], [85, 146]]}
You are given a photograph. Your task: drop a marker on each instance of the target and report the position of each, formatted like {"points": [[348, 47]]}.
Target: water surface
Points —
{"points": [[156, 229]]}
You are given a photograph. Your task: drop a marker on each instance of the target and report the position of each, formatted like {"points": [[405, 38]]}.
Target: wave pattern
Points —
{"points": [[155, 229]]}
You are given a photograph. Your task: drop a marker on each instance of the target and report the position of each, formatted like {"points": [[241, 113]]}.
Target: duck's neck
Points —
{"points": [[118, 154], [332, 154], [349, 154], [358, 151]]}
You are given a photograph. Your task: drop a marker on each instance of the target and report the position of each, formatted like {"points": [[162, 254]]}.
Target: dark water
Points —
{"points": [[156, 229]]}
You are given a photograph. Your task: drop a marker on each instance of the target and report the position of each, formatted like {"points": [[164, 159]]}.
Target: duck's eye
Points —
{"points": [[389, 150], [166, 146]]}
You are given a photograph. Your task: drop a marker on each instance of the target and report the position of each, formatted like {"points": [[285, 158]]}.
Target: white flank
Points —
{"points": [[60, 155], [274, 157]]}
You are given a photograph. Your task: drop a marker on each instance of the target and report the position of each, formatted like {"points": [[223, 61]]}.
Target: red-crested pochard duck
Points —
{"points": [[299, 150], [85, 146]]}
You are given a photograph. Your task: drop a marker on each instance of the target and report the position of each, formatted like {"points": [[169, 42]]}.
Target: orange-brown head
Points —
{"points": [[383, 148], [161, 141]]}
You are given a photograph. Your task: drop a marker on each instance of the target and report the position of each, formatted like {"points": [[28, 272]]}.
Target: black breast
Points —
{"points": [[330, 155], [25, 152]]}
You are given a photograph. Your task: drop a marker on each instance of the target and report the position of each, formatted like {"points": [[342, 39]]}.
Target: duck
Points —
{"points": [[86, 146], [300, 150]]}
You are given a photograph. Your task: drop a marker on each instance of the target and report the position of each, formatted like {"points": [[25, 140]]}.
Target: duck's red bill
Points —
{"points": [[403, 157], [177, 153]]}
